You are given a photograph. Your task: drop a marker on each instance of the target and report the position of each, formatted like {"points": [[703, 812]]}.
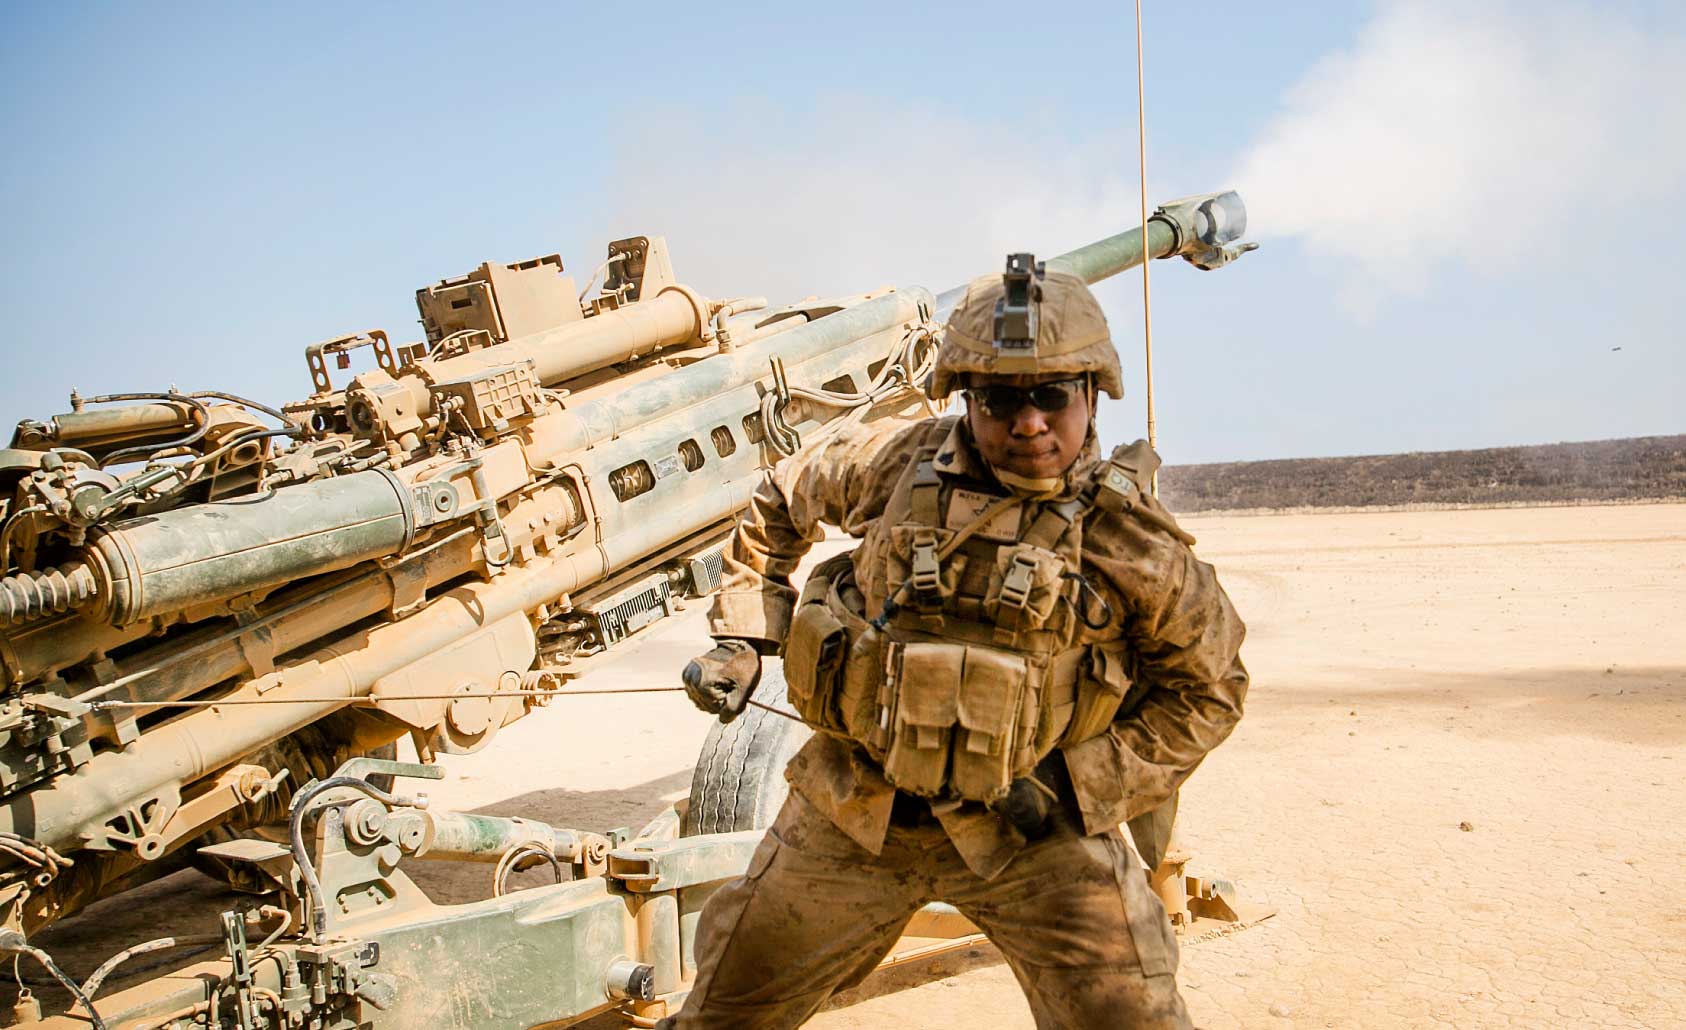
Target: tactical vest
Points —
{"points": [[973, 672]]}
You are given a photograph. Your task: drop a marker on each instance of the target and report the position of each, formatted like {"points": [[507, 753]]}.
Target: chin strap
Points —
{"points": [[1026, 484]]}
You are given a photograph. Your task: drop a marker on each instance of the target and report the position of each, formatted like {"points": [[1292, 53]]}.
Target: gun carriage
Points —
{"points": [[211, 607]]}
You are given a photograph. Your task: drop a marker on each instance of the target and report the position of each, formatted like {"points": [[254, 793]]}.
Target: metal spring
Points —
{"points": [[629, 481], [29, 596], [691, 455], [541, 679]]}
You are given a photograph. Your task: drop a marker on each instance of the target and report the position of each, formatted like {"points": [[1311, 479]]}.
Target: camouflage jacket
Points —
{"points": [[1184, 635]]}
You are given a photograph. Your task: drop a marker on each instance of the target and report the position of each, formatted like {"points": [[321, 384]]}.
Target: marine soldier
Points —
{"points": [[1021, 655]]}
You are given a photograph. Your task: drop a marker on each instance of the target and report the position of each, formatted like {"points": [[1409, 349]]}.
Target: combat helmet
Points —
{"points": [[1028, 320]]}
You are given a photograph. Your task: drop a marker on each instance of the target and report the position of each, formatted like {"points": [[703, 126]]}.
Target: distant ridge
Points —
{"points": [[1640, 468]]}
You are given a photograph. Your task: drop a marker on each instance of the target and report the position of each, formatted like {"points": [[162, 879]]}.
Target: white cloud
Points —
{"points": [[1488, 132]]}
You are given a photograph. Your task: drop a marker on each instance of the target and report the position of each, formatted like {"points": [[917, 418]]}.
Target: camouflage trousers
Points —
{"points": [[1087, 939]]}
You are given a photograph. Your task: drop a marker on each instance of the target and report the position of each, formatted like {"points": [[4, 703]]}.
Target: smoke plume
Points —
{"points": [[1487, 132]]}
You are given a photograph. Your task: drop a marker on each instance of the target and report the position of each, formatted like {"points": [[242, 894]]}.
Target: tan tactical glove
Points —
{"points": [[721, 681]]}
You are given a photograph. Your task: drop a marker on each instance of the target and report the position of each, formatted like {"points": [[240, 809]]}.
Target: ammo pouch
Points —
{"points": [[1025, 589], [832, 662], [1104, 691], [956, 717]]}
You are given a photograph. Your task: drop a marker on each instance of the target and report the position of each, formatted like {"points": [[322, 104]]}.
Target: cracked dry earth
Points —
{"points": [[1519, 672]]}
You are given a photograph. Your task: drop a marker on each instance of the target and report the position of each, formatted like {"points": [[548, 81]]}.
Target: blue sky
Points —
{"points": [[1464, 206]]}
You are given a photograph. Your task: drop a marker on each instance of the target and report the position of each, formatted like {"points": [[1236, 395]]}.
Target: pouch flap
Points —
{"points": [[929, 684], [816, 638], [990, 692], [1026, 586], [1101, 693], [813, 658], [1106, 668]]}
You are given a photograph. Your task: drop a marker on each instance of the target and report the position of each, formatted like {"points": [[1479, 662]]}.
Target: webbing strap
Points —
{"points": [[910, 625], [1052, 522], [925, 495], [984, 518], [925, 509]]}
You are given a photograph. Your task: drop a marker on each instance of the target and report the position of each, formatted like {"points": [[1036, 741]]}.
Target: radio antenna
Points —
{"points": [[1147, 299]]}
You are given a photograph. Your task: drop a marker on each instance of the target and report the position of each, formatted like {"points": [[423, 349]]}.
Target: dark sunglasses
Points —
{"points": [[1007, 401]]}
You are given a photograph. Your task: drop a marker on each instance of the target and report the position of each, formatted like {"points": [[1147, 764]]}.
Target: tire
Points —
{"points": [[739, 780]]}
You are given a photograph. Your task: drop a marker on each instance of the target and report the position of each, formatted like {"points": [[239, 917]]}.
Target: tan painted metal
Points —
{"points": [[421, 549], [445, 506]]}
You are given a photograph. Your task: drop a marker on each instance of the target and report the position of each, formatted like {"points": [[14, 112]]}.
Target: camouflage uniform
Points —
{"points": [[995, 641], [847, 863]]}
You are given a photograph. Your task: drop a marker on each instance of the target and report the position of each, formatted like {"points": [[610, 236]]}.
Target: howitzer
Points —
{"points": [[196, 622]]}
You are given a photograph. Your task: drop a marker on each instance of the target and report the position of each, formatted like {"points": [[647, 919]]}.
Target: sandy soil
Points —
{"points": [[1458, 782]]}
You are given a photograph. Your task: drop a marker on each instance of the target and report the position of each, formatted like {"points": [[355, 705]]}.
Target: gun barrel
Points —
{"points": [[1105, 258], [1197, 228]]}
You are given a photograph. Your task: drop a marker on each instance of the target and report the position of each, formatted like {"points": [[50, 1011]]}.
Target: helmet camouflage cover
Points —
{"points": [[1070, 333]]}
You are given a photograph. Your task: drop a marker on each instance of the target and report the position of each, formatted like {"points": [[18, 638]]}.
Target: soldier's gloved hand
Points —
{"points": [[720, 681], [1027, 808]]}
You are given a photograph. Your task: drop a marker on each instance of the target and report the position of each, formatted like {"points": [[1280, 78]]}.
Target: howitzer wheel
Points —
{"points": [[739, 780]]}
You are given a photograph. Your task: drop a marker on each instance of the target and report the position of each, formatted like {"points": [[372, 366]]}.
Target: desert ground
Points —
{"points": [[1458, 782]]}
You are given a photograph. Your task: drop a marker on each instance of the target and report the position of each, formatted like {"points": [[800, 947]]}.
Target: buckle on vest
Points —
{"points": [[1016, 584], [926, 570]]}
